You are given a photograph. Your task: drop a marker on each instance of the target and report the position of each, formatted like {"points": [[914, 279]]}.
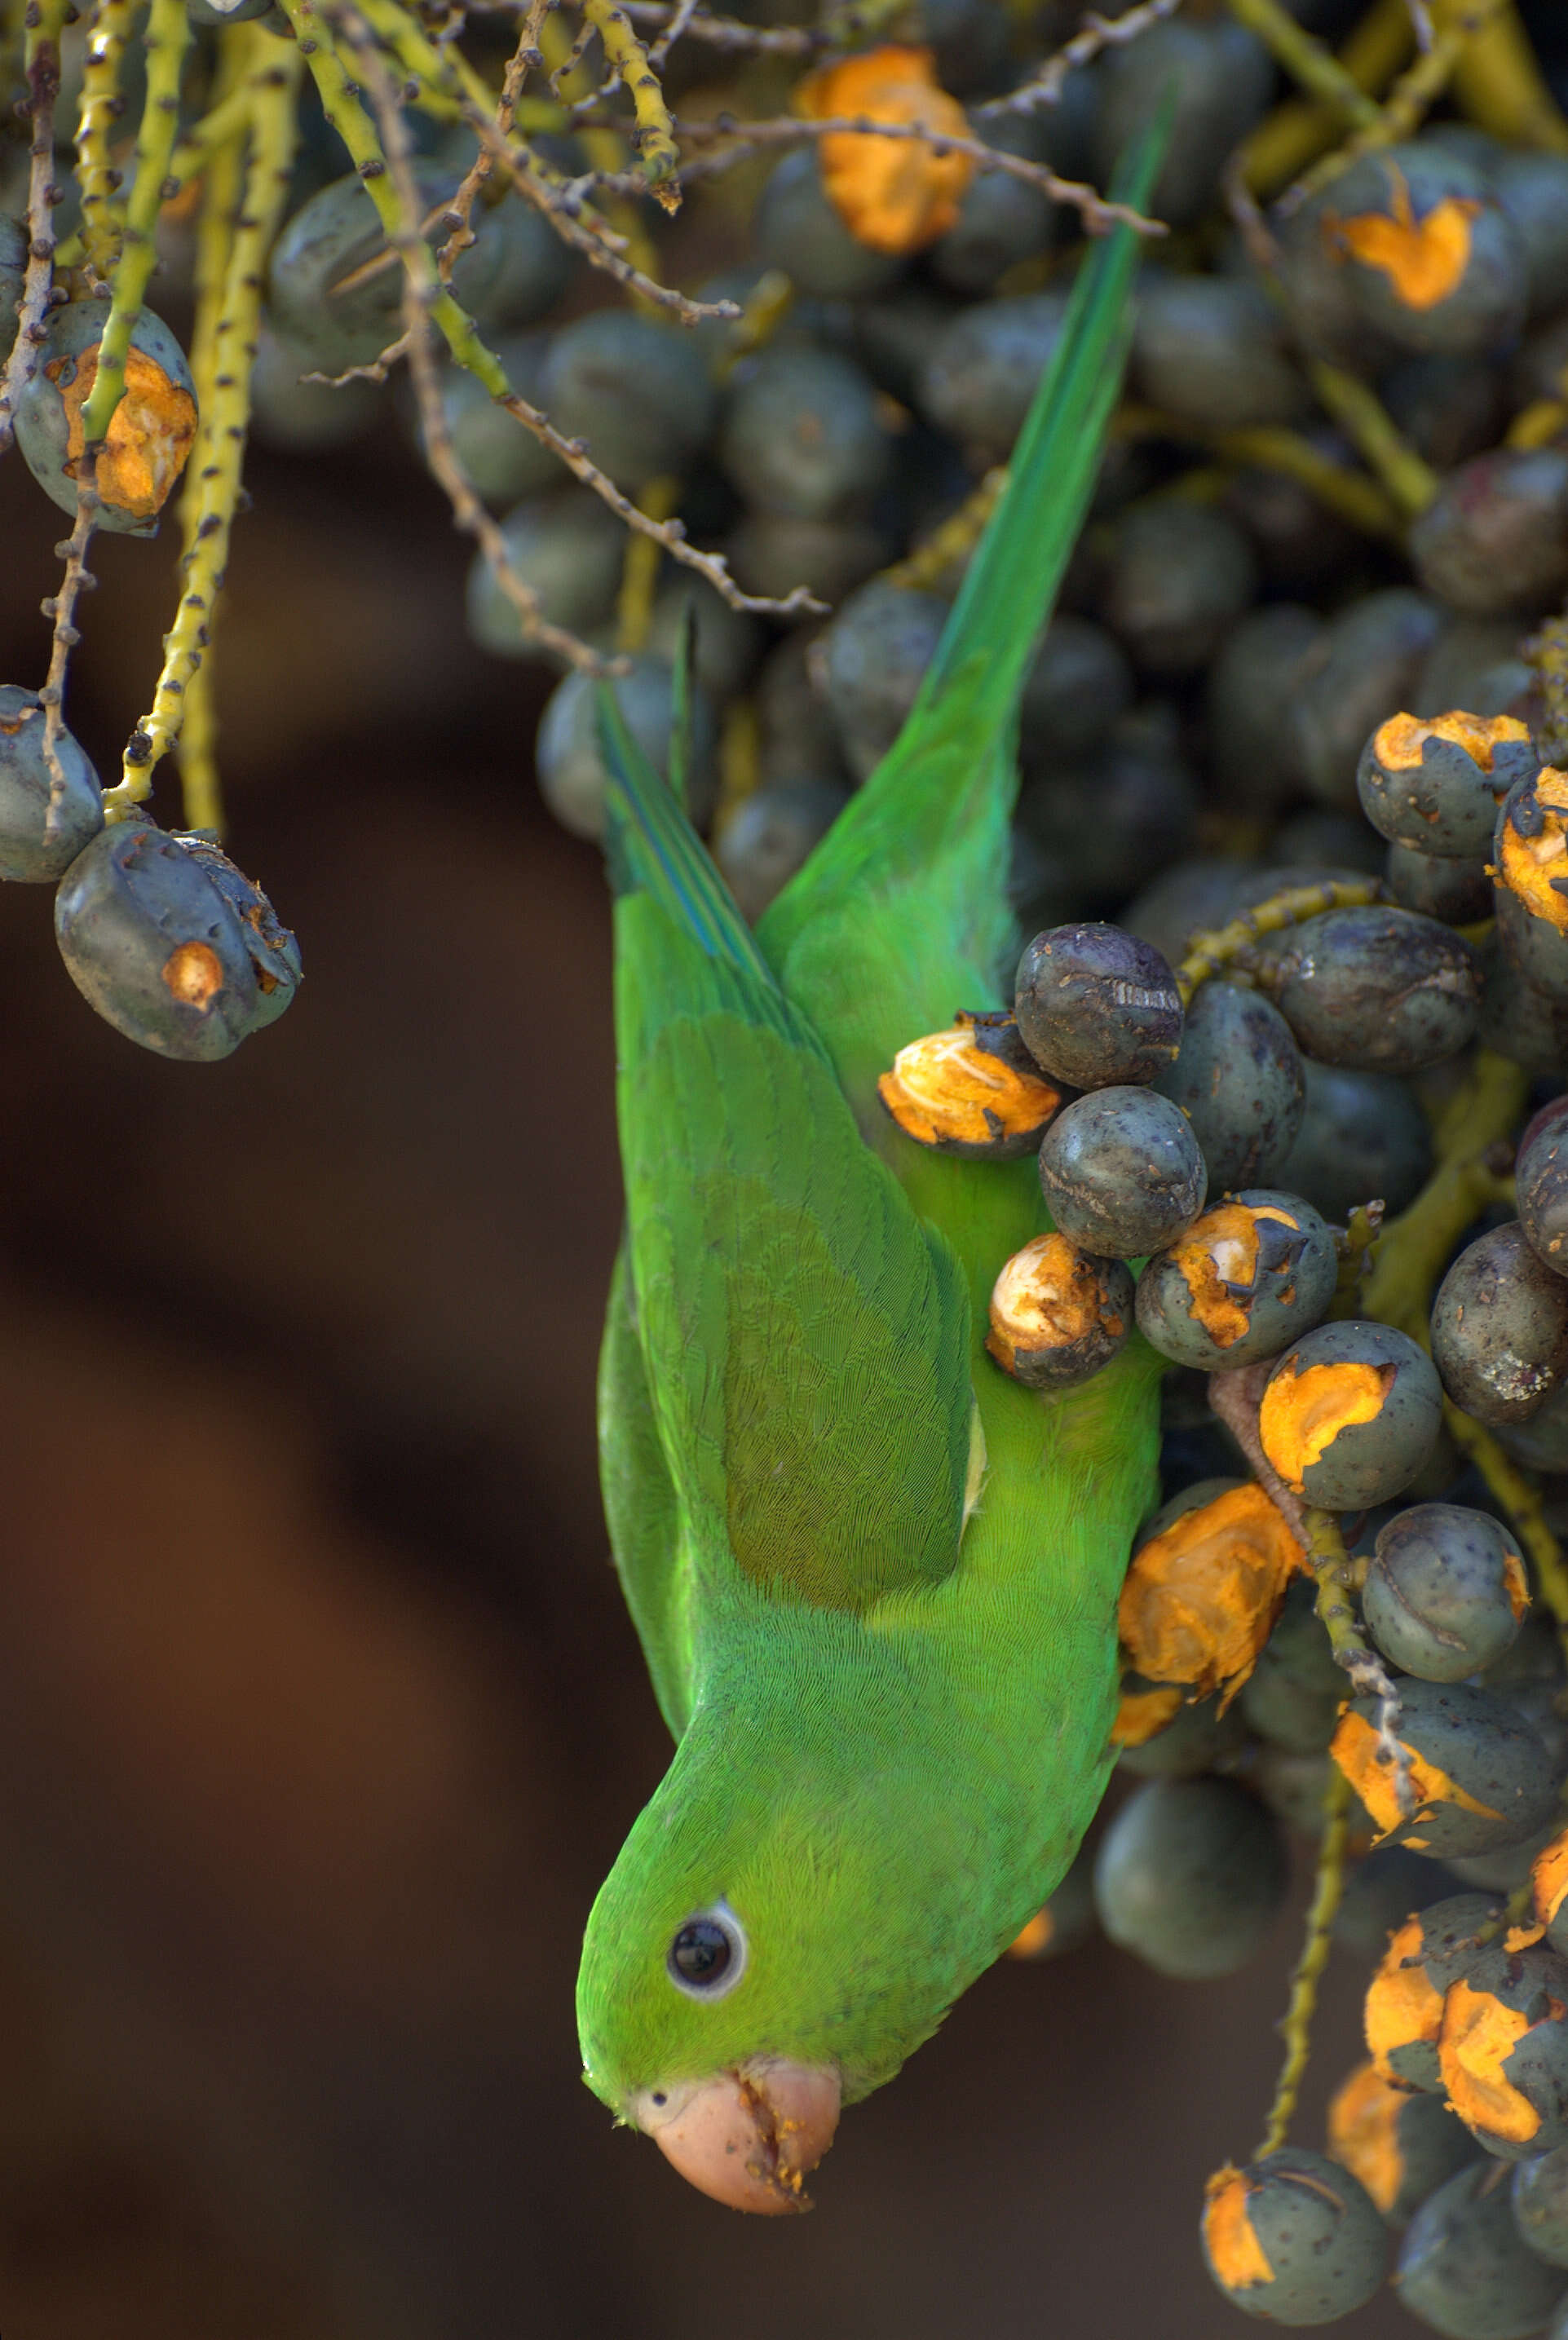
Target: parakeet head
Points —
{"points": [[784, 1925]]}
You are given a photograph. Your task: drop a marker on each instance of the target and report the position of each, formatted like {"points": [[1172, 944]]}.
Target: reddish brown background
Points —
{"points": [[320, 1717]]}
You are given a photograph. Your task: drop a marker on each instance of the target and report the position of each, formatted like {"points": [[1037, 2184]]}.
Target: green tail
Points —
{"points": [[904, 902]]}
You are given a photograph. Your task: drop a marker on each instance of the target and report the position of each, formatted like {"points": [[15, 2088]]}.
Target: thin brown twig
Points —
{"points": [[44, 88], [62, 607], [677, 28], [560, 201], [727, 32], [1098, 215], [422, 284], [523, 58], [1099, 33]]}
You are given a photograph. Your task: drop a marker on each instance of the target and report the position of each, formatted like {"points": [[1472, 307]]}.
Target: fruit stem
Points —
{"points": [[1416, 1247], [1308, 61], [102, 209], [1295, 2026], [166, 41], [1215, 948], [1411, 484]]}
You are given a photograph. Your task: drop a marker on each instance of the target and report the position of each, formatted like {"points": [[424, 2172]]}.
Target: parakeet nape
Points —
{"points": [[874, 1579]]}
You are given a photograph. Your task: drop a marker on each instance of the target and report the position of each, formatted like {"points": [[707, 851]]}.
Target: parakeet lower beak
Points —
{"points": [[748, 2136]]}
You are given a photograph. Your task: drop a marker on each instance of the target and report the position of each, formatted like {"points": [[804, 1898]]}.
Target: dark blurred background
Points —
{"points": [[320, 1715]]}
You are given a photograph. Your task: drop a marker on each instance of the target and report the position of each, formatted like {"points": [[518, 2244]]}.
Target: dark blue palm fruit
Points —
{"points": [[1219, 79], [1001, 220], [1530, 856], [1189, 1877], [503, 461], [1380, 1893], [569, 760], [1211, 348], [1096, 1007], [150, 435], [1446, 1591], [1246, 1278], [1540, 1177], [1376, 989], [1533, 191], [1500, 1328], [1539, 2193], [1428, 256], [1362, 1137], [1430, 1945], [874, 658], [1293, 2238], [1401, 2146], [569, 548], [796, 228], [1180, 576], [1503, 2051], [772, 553], [274, 952], [1125, 808], [1495, 537], [1475, 664], [1255, 756], [1079, 684], [770, 836], [1464, 2269], [1239, 1078], [1528, 1027], [1448, 408], [1363, 671], [638, 394], [335, 288], [1435, 786], [1481, 1777], [983, 369], [535, 268], [1542, 1442], [39, 839], [1201, 1736], [803, 436], [1456, 893], [154, 942], [1121, 1172], [1293, 1696], [1350, 1414]]}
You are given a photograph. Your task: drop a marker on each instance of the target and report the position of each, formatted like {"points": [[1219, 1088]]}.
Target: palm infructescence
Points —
{"points": [[874, 1579]]}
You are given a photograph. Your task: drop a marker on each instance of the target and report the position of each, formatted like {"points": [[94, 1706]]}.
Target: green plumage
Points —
{"points": [[875, 1580]]}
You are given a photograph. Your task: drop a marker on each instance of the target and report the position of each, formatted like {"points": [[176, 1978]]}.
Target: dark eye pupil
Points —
{"points": [[700, 1951]]}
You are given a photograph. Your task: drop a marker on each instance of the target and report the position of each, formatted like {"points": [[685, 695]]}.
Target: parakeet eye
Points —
{"points": [[708, 1956]]}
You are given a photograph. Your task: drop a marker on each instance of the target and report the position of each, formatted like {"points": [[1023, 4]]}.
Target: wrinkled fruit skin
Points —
{"points": [[1500, 1328], [157, 946], [1097, 1008], [1378, 990], [1121, 1172]]}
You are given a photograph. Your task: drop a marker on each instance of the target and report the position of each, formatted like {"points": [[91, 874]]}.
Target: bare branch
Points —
{"points": [[44, 88], [1099, 33]]}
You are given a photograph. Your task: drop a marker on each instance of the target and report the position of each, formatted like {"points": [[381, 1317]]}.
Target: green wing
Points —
{"points": [[804, 1339], [641, 1507], [901, 915]]}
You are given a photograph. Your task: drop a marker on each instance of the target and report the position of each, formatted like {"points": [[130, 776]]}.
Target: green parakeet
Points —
{"points": [[874, 1579]]}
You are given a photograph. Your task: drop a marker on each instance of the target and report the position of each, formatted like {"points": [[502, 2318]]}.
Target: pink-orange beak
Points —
{"points": [[748, 2136]]}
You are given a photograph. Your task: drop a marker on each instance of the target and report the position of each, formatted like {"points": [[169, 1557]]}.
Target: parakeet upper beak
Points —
{"points": [[747, 2137]]}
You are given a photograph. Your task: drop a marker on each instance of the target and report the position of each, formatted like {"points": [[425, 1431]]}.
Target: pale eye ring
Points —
{"points": [[708, 1956]]}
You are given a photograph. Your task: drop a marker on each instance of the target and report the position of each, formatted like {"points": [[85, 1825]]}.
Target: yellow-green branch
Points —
{"points": [[1219, 947], [102, 208], [166, 41], [1296, 2029]]}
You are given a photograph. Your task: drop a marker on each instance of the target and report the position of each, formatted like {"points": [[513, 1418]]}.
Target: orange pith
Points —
{"points": [[1532, 866], [1364, 2132], [893, 195], [1402, 2008], [1305, 1409], [1234, 2251], [1201, 1596], [150, 432], [1048, 1295], [943, 1089], [1478, 2036], [1355, 1748], [1424, 259], [1400, 741]]}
